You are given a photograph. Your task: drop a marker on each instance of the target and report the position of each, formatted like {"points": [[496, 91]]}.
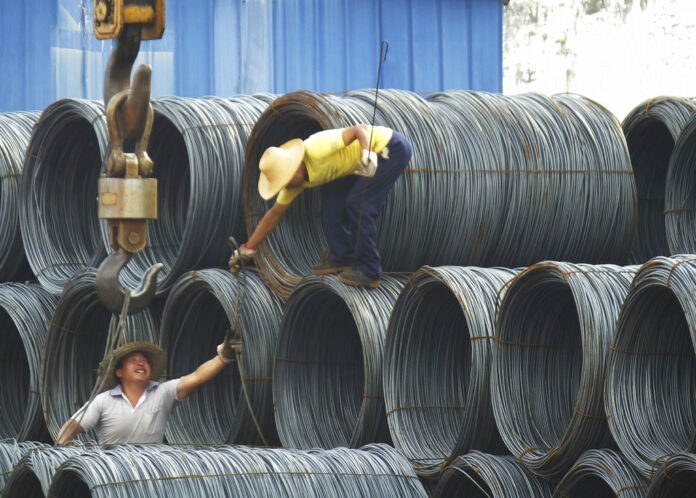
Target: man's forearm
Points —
{"points": [[204, 373], [68, 432]]}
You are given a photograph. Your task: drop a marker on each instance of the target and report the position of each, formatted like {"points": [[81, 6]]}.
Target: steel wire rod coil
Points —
{"points": [[479, 475], [163, 471], [200, 308], [11, 452], [650, 392], [15, 130], [602, 474], [651, 130], [197, 146], [437, 365], [493, 181], [676, 477], [25, 311], [327, 375], [75, 344], [553, 332], [680, 201], [58, 216]]}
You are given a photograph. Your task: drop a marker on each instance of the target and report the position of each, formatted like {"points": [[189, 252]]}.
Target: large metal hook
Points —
{"points": [[112, 293]]}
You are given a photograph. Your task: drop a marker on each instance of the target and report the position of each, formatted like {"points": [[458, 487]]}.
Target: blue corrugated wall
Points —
{"points": [[227, 47]]}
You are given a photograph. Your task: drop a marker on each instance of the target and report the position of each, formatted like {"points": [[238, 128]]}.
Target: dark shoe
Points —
{"points": [[356, 278], [326, 267]]}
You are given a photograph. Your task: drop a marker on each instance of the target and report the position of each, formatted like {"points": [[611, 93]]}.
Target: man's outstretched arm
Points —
{"points": [[204, 373]]}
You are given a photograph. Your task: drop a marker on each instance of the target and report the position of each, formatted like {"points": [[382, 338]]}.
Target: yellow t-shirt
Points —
{"points": [[327, 158]]}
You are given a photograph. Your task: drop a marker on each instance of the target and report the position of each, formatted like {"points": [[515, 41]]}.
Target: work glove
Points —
{"points": [[368, 164], [225, 352], [244, 253]]}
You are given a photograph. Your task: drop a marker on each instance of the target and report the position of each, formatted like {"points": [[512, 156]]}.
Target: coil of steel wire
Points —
{"points": [[197, 146], [163, 471], [651, 130], [680, 206], [25, 310], [677, 477], [12, 452], [327, 375], [15, 130], [479, 475], [201, 307], [493, 181], [553, 332], [437, 365], [602, 473], [649, 392], [76, 343], [58, 216]]}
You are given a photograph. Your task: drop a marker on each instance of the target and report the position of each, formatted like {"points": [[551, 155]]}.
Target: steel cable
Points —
{"points": [[25, 311], [680, 200], [75, 345], [677, 477], [602, 474], [15, 130], [651, 130], [58, 191], [11, 452], [201, 306], [553, 332], [327, 375], [479, 475], [650, 392], [437, 365], [493, 181], [217, 472]]}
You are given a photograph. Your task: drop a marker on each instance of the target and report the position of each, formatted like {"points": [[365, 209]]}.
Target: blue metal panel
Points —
{"points": [[227, 47]]}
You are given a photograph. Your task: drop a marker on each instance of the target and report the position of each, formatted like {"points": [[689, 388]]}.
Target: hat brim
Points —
{"points": [[293, 152], [156, 356]]}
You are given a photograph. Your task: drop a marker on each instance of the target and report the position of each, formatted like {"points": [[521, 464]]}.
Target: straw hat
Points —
{"points": [[154, 354], [278, 165]]}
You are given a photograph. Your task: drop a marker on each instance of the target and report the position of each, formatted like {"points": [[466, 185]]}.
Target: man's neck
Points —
{"points": [[133, 391]]}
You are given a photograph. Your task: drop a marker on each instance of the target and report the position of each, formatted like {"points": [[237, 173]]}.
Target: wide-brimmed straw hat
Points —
{"points": [[154, 354], [278, 165]]}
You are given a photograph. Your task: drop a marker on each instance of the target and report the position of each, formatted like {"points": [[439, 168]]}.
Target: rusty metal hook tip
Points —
{"points": [[112, 293]]}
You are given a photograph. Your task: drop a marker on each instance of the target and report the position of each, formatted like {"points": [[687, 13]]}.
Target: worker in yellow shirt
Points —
{"points": [[354, 179]]}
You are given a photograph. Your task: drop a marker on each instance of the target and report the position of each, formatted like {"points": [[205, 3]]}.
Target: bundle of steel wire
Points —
{"points": [[197, 146], [553, 332], [602, 474], [493, 181], [437, 365], [651, 130], [32, 475], [58, 215], [162, 471], [15, 130], [649, 393], [236, 406], [76, 343], [12, 452], [327, 375], [25, 310], [680, 202], [677, 477], [479, 475]]}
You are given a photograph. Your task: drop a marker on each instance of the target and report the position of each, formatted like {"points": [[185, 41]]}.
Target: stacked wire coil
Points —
{"points": [[327, 375], [76, 343], [58, 191], [12, 452], [437, 365], [650, 392], [651, 130], [493, 181], [15, 130], [25, 311], [680, 202], [602, 474], [553, 333], [163, 471], [677, 477], [236, 406], [480, 475]]}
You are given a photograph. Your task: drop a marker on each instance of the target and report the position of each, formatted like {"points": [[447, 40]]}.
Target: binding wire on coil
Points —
{"points": [[649, 392], [437, 365], [553, 332], [676, 477], [15, 130], [680, 202]]}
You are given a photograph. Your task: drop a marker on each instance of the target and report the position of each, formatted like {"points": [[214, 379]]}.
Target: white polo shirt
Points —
{"points": [[119, 422]]}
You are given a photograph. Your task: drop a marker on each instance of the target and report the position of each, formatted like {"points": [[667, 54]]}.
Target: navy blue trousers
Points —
{"points": [[350, 206]]}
